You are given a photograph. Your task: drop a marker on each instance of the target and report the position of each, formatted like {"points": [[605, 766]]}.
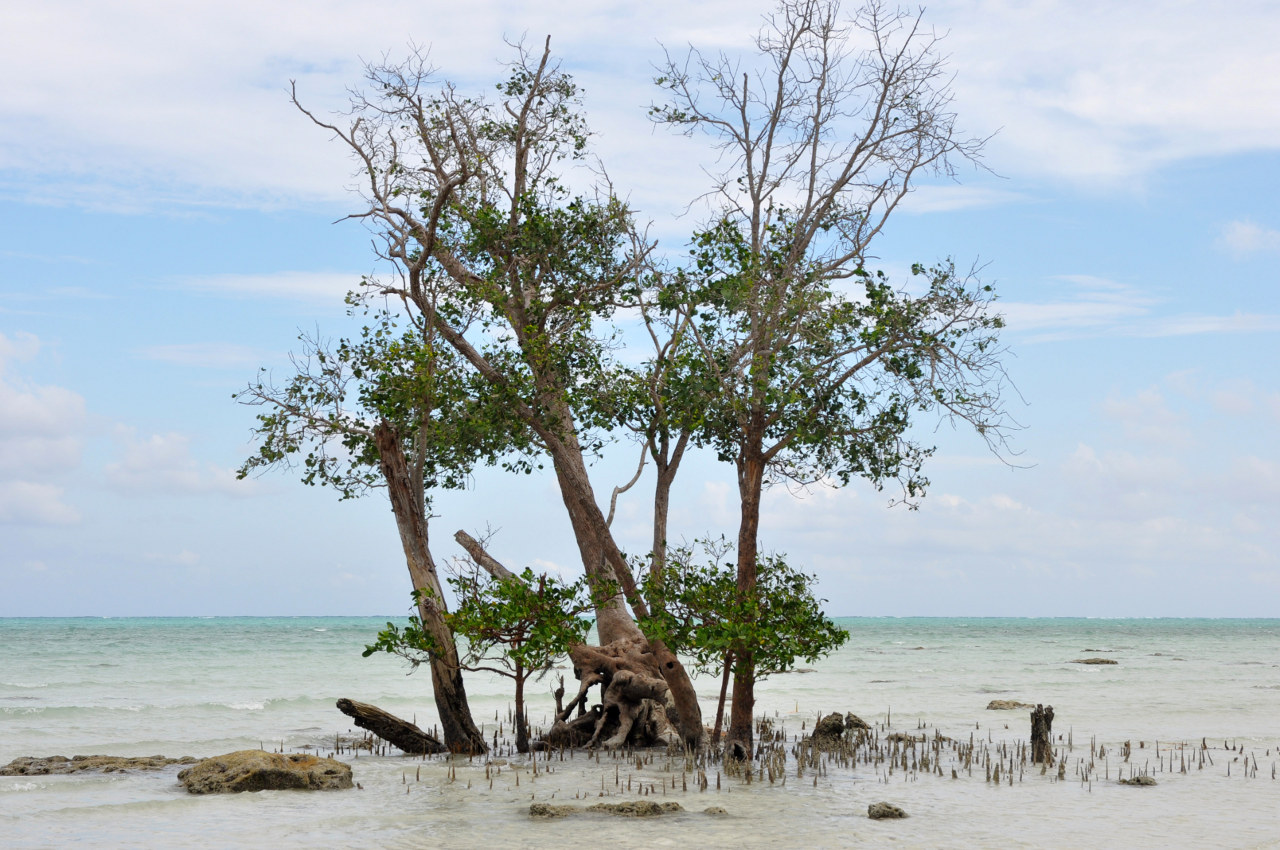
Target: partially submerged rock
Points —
{"points": [[830, 731], [1139, 780], [884, 811], [626, 809], [1095, 661], [256, 770], [636, 808], [32, 766], [854, 722], [1007, 705]]}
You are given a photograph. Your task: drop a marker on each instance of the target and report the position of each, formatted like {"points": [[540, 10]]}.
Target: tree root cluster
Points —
{"points": [[634, 702]]}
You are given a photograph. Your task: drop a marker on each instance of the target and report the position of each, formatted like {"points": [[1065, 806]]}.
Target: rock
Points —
{"points": [[636, 808], [714, 810], [256, 770], [853, 721], [628, 809], [1007, 705], [828, 732], [1139, 780], [543, 810], [884, 811], [31, 766], [1095, 661], [906, 738]]}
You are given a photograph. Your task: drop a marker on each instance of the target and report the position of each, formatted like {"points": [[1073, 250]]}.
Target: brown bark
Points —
{"points": [[399, 733], [750, 486], [460, 732], [522, 722], [724, 690], [1042, 735]]}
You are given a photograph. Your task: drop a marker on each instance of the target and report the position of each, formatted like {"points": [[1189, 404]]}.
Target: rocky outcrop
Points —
{"points": [[32, 766], [1007, 705], [256, 770], [830, 731], [1095, 661], [884, 811]]}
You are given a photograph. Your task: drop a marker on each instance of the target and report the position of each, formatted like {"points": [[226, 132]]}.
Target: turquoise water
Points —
{"points": [[206, 686]]}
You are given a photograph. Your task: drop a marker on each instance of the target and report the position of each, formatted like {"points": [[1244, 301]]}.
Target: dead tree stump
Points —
{"points": [[399, 733], [1042, 735]]}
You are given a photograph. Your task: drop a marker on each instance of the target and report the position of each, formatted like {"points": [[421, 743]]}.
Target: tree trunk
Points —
{"points": [[522, 722], [592, 533], [613, 621], [595, 541], [388, 727], [724, 690], [750, 486], [1042, 735], [460, 732]]}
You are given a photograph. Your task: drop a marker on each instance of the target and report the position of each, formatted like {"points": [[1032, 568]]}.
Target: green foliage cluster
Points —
{"points": [[401, 378], [697, 607], [515, 627]]}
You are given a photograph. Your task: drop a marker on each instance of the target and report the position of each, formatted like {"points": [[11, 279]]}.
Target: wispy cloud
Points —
{"points": [[935, 198], [183, 106], [1089, 306], [163, 464], [1244, 237], [207, 355], [305, 286]]}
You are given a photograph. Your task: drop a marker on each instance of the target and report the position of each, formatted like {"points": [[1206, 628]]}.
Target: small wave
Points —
{"points": [[24, 684], [1267, 687], [244, 706], [26, 786], [17, 699], [319, 630]]}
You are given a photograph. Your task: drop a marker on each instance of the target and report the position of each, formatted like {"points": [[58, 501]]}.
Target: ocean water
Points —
{"points": [[204, 687]]}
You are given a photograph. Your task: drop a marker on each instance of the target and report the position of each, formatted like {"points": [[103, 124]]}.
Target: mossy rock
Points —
{"points": [[884, 811], [257, 770]]}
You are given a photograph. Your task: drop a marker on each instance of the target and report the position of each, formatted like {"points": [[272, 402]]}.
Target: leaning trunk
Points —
{"points": [[460, 732], [724, 690], [613, 621]]}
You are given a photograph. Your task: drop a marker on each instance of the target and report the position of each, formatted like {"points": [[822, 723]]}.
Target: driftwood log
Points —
{"points": [[399, 733], [1042, 735]]}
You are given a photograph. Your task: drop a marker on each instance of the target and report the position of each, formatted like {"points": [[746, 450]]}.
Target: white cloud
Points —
{"points": [[28, 503], [1245, 237], [1145, 417], [949, 198], [303, 286], [186, 105], [41, 436], [1106, 92], [163, 464], [1092, 306], [211, 355]]}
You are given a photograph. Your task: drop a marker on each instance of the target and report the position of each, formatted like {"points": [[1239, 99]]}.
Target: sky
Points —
{"points": [[169, 224]]}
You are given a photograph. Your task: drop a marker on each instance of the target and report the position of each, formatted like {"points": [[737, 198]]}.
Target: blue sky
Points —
{"points": [[167, 226]]}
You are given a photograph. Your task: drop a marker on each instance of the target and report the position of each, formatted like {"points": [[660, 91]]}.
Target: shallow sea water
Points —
{"points": [[208, 686]]}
